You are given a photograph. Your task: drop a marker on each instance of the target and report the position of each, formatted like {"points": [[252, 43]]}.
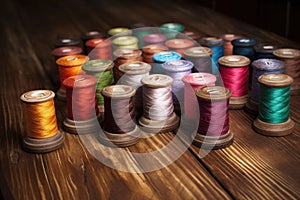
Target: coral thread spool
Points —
{"points": [[133, 73], [99, 48], [81, 104], [119, 125], [162, 57], [158, 110], [264, 51], [68, 66], [124, 56], [42, 133], [125, 42], [261, 67], [154, 38], [64, 42], [192, 82], [273, 118], [201, 57], [102, 70], [179, 45], [213, 130], [150, 50], [66, 51], [234, 71], [228, 47], [177, 69], [291, 58]]}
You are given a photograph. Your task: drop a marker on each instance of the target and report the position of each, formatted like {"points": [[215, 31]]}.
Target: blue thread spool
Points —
{"points": [[261, 67], [244, 47], [264, 51], [217, 45], [162, 57]]}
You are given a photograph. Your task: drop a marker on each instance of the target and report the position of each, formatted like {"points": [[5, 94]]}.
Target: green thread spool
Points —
{"points": [[102, 70], [274, 105]]}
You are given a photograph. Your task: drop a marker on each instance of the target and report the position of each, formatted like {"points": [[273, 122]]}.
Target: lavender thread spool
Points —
{"points": [[154, 38], [162, 57]]}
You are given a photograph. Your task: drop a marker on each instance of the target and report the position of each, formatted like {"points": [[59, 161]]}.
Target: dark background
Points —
{"points": [[278, 16]]}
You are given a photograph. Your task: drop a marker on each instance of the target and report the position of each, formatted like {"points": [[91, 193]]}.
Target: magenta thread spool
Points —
{"points": [[177, 69], [154, 38]]}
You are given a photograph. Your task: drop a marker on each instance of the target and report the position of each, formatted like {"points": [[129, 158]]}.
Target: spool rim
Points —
{"points": [[198, 52], [118, 91], [72, 60], [37, 96], [287, 53], [135, 67], [234, 61], [213, 93], [275, 80], [157, 81]]}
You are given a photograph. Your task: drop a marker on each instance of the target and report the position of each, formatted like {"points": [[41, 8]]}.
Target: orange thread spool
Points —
{"points": [[150, 50], [69, 66], [41, 124], [228, 47]]}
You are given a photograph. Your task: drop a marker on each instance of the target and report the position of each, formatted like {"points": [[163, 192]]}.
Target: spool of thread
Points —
{"points": [[171, 29], [244, 47], [213, 130], [124, 56], [228, 47], [177, 69], [125, 42], [179, 45], [119, 31], [102, 70], [192, 82], [274, 107], [187, 34], [99, 48], [69, 66], [158, 110], [291, 58], [92, 34], [133, 73], [150, 50], [64, 42], [162, 57], [217, 46], [201, 57], [66, 51], [264, 51], [119, 125], [261, 67], [82, 105], [154, 38], [234, 71], [139, 31], [42, 133]]}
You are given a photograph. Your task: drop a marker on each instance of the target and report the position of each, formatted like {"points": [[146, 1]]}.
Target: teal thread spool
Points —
{"points": [[274, 106], [102, 70], [171, 29]]}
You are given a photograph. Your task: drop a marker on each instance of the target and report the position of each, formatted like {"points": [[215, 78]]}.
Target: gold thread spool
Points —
{"points": [[42, 134]]}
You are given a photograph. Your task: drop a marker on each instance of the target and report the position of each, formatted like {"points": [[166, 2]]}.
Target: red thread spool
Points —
{"points": [[192, 82], [66, 51], [119, 124], [228, 47], [150, 50], [69, 66], [213, 130], [99, 48], [125, 56], [92, 34], [291, 58], [179, 45], [234, 71], [81, 103]]}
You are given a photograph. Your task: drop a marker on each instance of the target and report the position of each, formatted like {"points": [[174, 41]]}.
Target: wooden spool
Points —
{"points": [[41, 145], [155, 126], [233, 61], [268, 129], [213, 94], [124, 139]]}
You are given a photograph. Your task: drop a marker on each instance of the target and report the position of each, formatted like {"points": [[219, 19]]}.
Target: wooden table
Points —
{"points": [[254, 167]]}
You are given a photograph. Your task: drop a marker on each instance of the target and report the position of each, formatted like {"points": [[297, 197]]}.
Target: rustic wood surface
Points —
{"points": [[254, 167]]}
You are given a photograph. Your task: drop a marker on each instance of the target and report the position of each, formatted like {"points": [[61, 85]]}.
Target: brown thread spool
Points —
{"points": [[179, 45], [291, 58], [99, 48], [150, 50], [119, 125], [124, 56], [218, 134], [69, 66], [263, 127], [42, 133], [82, 105], [190, 34], [228, 47], [158, 110], [66, 51]]}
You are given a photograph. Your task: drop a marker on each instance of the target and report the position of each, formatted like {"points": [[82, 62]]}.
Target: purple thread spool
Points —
{"points": [[154, 38]]}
